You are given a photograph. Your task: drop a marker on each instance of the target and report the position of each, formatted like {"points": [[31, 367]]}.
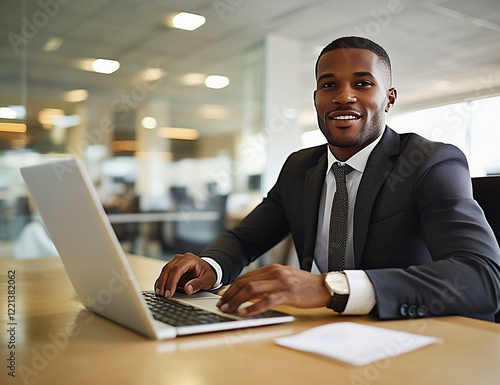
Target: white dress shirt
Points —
{"points": [[362, 296]]}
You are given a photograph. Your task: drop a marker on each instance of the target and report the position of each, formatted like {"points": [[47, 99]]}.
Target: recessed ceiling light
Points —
{"points": [[216, 81], [193, 79], [76, 96], [105, 66], [149, 122], [53, 44], [188, 21], [153, 74]]}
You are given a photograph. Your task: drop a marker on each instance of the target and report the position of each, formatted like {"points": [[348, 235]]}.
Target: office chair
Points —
{"points": [[193, 235], [486, 191]]}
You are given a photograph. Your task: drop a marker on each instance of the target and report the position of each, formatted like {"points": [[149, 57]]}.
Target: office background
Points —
{"points": [[156, 136]]}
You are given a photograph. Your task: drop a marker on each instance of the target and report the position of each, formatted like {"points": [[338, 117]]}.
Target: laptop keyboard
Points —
{"points": [[180, 314]]}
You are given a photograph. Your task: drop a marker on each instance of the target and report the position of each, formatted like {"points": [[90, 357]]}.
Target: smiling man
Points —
{"points": [[352, 101], [387, 218]]}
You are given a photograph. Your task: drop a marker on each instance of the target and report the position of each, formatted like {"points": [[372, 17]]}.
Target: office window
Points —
{"points": [[472, 126]]}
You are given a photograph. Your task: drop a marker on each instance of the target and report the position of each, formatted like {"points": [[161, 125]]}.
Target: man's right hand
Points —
{"points": [[186, 271]]}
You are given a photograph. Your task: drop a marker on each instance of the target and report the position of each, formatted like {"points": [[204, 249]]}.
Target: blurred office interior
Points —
{"points": [[183, 129]]}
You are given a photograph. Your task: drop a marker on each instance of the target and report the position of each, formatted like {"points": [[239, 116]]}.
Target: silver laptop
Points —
{"points": [[99, 270]]}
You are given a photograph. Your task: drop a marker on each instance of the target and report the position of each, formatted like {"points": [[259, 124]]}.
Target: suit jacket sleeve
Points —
{"points": [[462, 274]]}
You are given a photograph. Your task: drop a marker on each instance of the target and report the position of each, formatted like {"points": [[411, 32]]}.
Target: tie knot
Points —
{"points": [[340, 171]]}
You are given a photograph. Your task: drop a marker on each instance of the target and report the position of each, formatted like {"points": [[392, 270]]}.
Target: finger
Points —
{"points": [[188, 272], [205, 281], [161, 280], [245, 291], [170, 276], [259, 306], [266, 273]]}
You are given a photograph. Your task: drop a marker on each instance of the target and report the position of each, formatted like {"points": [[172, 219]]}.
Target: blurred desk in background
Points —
{"points": [[178, 231], [164, 217]]}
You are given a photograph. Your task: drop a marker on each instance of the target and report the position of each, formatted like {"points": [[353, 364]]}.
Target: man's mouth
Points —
{"points": [[345, 117]]}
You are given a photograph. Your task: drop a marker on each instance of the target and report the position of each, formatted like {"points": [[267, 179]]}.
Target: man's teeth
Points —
{"points": [[345, 117]]}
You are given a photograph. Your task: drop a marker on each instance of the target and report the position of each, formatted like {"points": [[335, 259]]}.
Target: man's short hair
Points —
{"points": [[360, 43]]}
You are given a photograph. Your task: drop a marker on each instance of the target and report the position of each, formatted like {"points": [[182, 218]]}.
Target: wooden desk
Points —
{"points": [[57, 341]]}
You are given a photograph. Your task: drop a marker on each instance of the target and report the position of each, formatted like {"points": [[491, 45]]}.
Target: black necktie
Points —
{"points": [[338, 220]]}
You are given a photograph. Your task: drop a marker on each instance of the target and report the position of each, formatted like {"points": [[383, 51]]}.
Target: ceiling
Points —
{"points": [[442, 50]]}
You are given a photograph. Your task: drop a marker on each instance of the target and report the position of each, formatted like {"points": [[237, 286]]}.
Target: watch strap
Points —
{"points": [[338, 302]]}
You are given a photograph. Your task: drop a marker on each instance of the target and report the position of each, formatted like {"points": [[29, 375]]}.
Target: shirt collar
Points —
{"points": [[357, 161]]}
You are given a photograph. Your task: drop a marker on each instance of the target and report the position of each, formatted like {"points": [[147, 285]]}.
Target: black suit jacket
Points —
{"points": [[419, 235]]}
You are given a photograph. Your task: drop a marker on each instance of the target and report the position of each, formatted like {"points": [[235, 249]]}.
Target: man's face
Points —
{"points": [[352, 97]]}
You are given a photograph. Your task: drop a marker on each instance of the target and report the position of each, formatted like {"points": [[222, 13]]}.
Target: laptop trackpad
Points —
{"points": [[205, 300]]}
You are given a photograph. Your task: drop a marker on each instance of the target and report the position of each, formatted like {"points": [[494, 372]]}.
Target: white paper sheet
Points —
{"points": [[354, 343]]}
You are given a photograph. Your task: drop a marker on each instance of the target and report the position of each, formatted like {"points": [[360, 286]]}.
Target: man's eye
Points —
{"points": [[328, 85], [364, 83]]}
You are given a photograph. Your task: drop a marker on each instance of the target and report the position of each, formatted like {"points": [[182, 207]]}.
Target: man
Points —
{"points": [[416, 243]]}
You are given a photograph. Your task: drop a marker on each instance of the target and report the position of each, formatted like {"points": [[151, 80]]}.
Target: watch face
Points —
{"points": [[338, 282]]}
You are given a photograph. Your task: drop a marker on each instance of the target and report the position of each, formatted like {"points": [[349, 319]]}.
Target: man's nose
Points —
{"points": [[345, 95]]}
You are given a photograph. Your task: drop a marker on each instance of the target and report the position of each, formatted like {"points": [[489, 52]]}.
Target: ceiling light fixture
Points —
{"points": [[153, 74], [13, 127], [53, 44], [178, 133], [216, 82], [149, 123], [187, 21], [76, 96], [105, 66], [193, 79]]}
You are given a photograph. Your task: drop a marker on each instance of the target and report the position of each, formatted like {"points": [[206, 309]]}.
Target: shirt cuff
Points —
{"points": [[218, 272], [361, 293]]}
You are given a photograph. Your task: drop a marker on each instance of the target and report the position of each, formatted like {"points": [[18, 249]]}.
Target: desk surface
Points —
{"points": [[57, 341]]}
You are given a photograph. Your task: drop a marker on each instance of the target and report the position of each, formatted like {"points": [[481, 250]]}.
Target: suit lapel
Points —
{"points": [[313, 187], [377, 169]]}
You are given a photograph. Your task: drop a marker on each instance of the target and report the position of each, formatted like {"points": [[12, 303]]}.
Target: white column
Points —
{"points": [[281, 102], [153, 152]]}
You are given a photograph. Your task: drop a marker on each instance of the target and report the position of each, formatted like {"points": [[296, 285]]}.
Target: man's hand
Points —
{"points": [[275, 285], [187, 271]]}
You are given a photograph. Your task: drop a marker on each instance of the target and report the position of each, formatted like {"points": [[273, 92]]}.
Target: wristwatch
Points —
{"points": [[337, 284]]}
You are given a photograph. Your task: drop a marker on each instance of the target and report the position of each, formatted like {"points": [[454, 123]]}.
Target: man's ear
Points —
{"points": [[392, 95], [314, 98]]}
